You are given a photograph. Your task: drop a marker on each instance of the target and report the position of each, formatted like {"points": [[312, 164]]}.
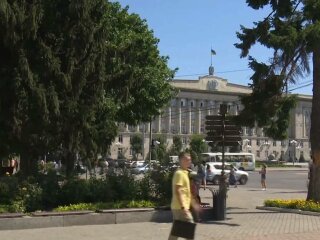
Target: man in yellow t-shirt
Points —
{"points": [[181, 192]]}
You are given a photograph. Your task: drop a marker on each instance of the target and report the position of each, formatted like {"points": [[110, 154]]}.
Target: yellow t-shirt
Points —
{"points": [[181, 178]]}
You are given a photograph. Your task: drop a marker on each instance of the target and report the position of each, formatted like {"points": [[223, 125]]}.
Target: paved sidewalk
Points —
{"points": [[243, 222], [259, 225]]}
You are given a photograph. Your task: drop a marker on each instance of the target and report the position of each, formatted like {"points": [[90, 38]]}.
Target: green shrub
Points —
{"points": [[17, 207], [74, 191], [100, 190], [31, 195], [76, 207], [50, 189], [162, 185], [123, 185], [108, 205], [9, 189]]}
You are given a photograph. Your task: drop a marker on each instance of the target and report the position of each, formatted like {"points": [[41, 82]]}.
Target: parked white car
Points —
{"points": [[138, 164], [213, 175], [141, 169]]}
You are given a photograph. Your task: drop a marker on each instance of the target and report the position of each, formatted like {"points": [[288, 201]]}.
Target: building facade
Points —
{"points": [[186, 113]]}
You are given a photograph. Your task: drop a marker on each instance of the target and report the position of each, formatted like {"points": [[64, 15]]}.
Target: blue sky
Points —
{"points": [[188, 28]]}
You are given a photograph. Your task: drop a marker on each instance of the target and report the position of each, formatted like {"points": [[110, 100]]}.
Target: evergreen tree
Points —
{"points": [[69, 71], [292, 30]]}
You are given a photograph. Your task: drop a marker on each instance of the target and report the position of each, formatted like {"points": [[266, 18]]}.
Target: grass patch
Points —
{"points": [[294, 204]]}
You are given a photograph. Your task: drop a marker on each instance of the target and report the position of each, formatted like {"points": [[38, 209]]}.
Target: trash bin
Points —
{"points": [[219, 204]]}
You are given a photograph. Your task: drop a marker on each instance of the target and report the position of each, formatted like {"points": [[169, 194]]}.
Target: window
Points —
{"points": [[258, 142], [119, 151], [191, 104], [283, 143], [201, 104], [184, 140], [258, 154], [274, 143], [245, 130], [218, 166], [120, 139]]}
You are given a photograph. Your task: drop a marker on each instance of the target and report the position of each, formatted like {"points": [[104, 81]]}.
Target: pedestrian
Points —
{"points": [[232, 177], [182, 200], [263, 173], [200, 179]]}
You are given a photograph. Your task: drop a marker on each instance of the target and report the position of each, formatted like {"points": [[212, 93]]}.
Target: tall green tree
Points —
{"points": [[139, 75], [198, 145], [136, 143], [176, 146], [292, 30], [27, 99], [70, 70]]}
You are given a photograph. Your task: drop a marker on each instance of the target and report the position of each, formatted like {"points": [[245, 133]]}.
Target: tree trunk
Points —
{"points": [[314, 185], [70, 158], [28, 163]]}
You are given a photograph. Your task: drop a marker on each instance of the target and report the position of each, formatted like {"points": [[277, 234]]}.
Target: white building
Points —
{"points": [[197, 98]]}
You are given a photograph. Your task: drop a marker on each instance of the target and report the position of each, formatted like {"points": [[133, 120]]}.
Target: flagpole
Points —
{"points": [[211, 54]]}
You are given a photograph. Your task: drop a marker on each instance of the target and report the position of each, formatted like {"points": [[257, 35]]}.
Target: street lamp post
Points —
{"points": [[294, 143]]}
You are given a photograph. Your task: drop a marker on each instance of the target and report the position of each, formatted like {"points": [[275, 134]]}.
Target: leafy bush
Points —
{"points": [[31, 195], [100, 190], [8, 189], [75, 191], [76, 207], [123, 185], [50, 189], [46, 191], [162, 181], [294, 204], [17, 207], [102, 205]]}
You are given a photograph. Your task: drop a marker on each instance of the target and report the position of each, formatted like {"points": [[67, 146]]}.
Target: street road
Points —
{"points": [[282, 179]]}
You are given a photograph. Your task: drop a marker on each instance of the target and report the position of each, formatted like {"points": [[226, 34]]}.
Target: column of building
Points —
{"points": [[198, 116], [169, 120], [179, 116], [189, 114]]}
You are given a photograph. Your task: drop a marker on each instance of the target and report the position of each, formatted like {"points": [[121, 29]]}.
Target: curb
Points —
{"points": [[78, 218], [287, 210]]}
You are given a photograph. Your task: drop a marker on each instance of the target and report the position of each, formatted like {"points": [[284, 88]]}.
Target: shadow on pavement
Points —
{"points": [[221, 223], [230, 208], [251, 212], [291, 192], [254, 190]]}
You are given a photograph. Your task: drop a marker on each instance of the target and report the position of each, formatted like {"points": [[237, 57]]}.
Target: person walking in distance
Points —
{"points": [[263, 173], [182, 199], [232, 177]]}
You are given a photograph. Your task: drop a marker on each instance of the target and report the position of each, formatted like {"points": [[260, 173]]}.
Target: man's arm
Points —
{"points": [[178, 189]]}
